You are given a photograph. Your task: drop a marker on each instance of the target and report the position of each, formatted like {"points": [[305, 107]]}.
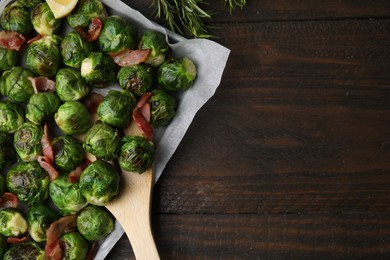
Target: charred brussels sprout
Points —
{"points": [[27, 141], [11, 116], [103, 141], [74, 246], [30, 3], [66, 195], [8, 58], [116, 108], [72, 118], [85, 11], [99, 182], [162, 108], [15, 84], [3, 246], [176, 74], [70, 85], [16, 18], [39, 218], [68, 153], [117, 35], [42, 106], [12, 223], [43, 56], [136, 154], [7, 154], [138, 78], [29, 182], [95, 223], [43, 20], [98, 69], [74, 49], [155, 42], [26, 251]]}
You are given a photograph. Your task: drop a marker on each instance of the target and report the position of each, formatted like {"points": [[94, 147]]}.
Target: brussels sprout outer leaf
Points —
{"points": [[16, 18], [162, 108], [15, 84], [176, 74], [138, 79], [136, 154], [68, 152], [72, 118], [70, 85], [74, 49], [95, 222], [42, 106]]}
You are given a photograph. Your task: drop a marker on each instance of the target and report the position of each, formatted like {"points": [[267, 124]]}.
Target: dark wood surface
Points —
{"points": [[291, 157]]}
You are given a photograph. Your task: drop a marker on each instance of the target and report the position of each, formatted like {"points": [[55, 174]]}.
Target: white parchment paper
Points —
{"points": [[210, 59]]}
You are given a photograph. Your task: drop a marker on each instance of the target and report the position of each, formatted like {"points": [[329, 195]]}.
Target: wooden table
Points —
{"points": [[291, 158]]}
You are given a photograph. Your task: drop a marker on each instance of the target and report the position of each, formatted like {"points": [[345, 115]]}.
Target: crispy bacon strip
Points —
{"points": [[57, 228], [18, 240], [129, 57], [94, 29], [34, 39], [141, 116], [8, 200], [92, 251], [11, 40], [92, 102], [74, 176], [48, 167], [42, 84], [46, 141]]}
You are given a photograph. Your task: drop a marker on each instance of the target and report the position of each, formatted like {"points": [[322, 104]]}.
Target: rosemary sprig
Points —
{"points": [[234, 3]]}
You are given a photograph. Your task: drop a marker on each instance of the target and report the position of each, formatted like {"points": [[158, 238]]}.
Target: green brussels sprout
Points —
{"points": [[3, 246], [136, 154], [176, 74], [25, 251], [85, 11], [68, 152], [138, 78], [98, 69], [42, 106], [16, 18], [74, 49], [30, 3], [39, 218], [116, 109], [2, 185], [95, 222], [29, 182], [103, 141], [11, 116], [99, 182], [27, 141], [70, 85], [43, 20], [7, 155], [8, 58], [12, 222], [43, 56], [72, 118], [117, 35], [15, 84], [162, 108], [66, 195], [74, 246], [156, 43]]}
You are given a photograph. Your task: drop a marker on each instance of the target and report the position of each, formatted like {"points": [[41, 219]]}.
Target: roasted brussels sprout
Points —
{"points": [[117, 35], [74, 49], [43, 56], [30, 3], [3, 246], [99, 182], [74, 246], [7, 154], [11, 116], [116, 108], [176, 74], [95, 222], [15, 84], [156, 43], [42, 106], [85, 11], [12, 223], [16, 18], [8, 58], [27, 141], [98, 69], [136, 154], [70, 85], [162, 108], [68, 153], [26, 251], [138, 78], [29, 182], [39, 217], [66, 195], [43, 20], [103, 141], [72, 118]]}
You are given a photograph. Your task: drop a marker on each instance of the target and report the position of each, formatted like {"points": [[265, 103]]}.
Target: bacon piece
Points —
{"points": [[74, 176], [18, 240], [45, 163], [11, 40], [129, 57], [92, 251], [57, 228], [42, 84], [94, 29], [34, 39], [46, 141], [141, 116], [145, 111], [92, 102], [8, 200]]}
